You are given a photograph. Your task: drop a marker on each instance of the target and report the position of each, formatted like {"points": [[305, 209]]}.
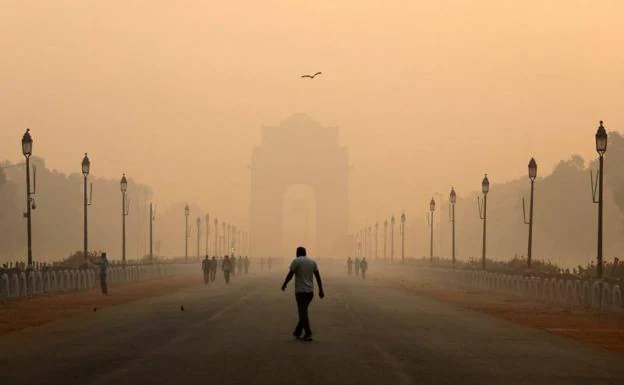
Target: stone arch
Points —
{"points": [[278, 163]]}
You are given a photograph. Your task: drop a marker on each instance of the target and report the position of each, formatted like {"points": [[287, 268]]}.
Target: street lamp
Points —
{"points": [[151, 227], [376, 239], [124, 213], [601, 148], [385, 237], [27, 143], [485, 188], [186, 234], [198, 234], [392, 239], [402, 237], [453, 199], [532, 176], [207, 232], [86, 166], [216, 235], [431, 209]]}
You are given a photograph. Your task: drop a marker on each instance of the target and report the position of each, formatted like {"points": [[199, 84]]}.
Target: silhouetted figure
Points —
{"points": [[261, 263], [226, 266], [233, 263], [213, 269], [349, 265], [103, 264], [269, 263], [363, 267], [304, 270], [206, 269], [239, 265], [357, 266], [246, 264]]}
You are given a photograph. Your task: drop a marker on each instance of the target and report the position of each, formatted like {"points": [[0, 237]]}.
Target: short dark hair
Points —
{"points": [[301, 251]]}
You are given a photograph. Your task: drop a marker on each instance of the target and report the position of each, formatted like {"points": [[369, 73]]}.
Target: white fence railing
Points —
{"points": [[567, 292], [22, 284]]}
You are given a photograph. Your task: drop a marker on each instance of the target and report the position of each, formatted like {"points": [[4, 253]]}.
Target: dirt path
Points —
{"points": [[604, 329], [21, 314]]}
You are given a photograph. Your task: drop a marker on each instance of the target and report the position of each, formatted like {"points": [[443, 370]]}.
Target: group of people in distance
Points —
{"points": [[360, 266], [229, 266]]}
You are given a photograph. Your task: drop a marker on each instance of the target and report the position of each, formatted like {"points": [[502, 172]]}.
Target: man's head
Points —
{"points": [[301, 251], [103, 255]]}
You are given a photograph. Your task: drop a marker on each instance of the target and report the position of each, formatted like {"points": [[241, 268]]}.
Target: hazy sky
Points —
{"points": [[427, 94]]}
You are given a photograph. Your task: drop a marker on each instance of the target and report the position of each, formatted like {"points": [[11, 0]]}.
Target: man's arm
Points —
{"points": [[288, 278], [320, 283]]}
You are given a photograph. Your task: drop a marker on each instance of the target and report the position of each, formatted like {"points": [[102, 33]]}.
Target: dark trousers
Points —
{"points": [[303, 301], [213, 274], [103, 283], [226, 274]]}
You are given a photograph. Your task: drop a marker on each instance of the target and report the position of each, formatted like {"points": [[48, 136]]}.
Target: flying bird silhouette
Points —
{"points": [[311, 76]]}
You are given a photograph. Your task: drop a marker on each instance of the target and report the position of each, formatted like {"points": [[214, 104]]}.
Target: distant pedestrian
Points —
{"points": [[261, 263], [356, 264], [363, 267], [226, 266], [206, 269], [103, 264], [213, 269], [246, 265], [349, 265], [239, 265], [304, 270], [269, 263]]}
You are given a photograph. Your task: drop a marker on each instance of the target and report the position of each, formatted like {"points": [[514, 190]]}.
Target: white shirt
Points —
{"points": [[304, 269]]}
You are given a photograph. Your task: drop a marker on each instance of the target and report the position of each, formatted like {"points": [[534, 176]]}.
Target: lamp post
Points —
{"points": [[223, 239], [601, 148], [532, 176], [207, 232], [485, 188], [385, 237], [376, 240], [453, 199], [86, 165], [392, 239], [402, 237], [186, 234], [198, 235], [124, 214], [27, 143], [151, 227], [431, 209], [216, 245]]}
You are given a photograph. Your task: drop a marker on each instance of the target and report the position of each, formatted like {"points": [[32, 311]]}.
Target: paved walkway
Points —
{"points": [[365, 333]]}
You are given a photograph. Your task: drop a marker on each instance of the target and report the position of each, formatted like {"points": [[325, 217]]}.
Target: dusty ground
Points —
{"points": [[21, 314], [603, 329]]}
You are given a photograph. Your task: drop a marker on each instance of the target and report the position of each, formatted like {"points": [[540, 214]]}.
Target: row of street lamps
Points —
{"points": [[27, 147], [601, 138], [231, 238]]}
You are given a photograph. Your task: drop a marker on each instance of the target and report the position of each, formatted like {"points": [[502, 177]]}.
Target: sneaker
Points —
{"points": [[307, 337]]}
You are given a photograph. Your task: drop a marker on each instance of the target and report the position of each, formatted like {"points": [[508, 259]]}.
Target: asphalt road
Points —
{"points": [[365, 333]]}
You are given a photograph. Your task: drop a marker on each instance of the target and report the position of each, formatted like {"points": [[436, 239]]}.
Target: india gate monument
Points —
{"points": [[299, 152]]}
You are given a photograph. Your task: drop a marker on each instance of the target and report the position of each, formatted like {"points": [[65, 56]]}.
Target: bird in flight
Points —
{"points": [[311, 76]]}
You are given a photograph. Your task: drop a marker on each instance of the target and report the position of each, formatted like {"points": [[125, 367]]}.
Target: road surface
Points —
{"points": [[366, 332]]}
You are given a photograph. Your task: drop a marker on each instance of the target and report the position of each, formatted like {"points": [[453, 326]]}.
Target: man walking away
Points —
{"points": [[246, 265], [349, 265], [363, 267], [261, 263], [213, 269], [226, 266], [239, 265], [304, 270], [357, 266]]}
